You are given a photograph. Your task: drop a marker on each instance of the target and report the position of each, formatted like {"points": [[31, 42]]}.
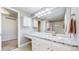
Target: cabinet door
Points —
{"points": [[35, 44], [56, 46], [44, 45], [59, 47], [62, 47]]}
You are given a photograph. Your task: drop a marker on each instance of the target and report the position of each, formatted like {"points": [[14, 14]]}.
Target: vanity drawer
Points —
{"points": [[40, 44], [44, 45], [35, 48], [62, 47], [35, 44], [35, 41]]}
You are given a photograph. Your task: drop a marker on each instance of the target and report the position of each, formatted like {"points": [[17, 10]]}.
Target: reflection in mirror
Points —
{"points": [[37, 24], [50, 21], [55, 26]]}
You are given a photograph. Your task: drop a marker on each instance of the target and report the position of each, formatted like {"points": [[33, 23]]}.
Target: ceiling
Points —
{"points": [[29, 10], [57, 13], [9, 13]]}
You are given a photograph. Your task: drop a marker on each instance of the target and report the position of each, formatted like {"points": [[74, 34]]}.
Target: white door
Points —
{"points": [[44, 45]]}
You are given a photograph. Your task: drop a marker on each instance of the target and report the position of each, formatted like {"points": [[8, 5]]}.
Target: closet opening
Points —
{"points": [[9, 30]]}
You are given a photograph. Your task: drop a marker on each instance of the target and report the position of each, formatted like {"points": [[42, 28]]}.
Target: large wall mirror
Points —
{"points": [[50, 20]]}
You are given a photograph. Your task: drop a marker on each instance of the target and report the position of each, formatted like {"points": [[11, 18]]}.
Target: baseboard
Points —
{"points": [[25, 44], [9, 39]]}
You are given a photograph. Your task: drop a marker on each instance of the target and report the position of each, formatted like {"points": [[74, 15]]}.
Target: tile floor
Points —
{"points": [[26, 48], [12, 45], [9, 45]]}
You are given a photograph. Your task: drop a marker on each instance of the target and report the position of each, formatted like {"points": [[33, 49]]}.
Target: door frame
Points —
{"points": [[0, 31], [18, 26]]}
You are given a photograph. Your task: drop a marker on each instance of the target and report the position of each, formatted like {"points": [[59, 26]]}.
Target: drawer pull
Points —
{"points": [[48, 48], [51, 50]]}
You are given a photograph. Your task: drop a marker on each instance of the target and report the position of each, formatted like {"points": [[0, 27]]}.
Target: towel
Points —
{"points": [[72, 26]]}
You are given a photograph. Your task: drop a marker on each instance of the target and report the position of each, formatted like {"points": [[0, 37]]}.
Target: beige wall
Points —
{"points": [[58, 27]]}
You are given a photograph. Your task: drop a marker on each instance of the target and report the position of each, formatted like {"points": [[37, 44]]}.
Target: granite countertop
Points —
{"points": [[57, 39]]}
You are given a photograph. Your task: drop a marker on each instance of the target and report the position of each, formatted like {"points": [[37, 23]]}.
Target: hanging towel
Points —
{"points": [[72, 26]]}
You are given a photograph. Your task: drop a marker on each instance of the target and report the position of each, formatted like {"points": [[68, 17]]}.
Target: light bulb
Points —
{"points": [[44, 14], [39, 13], [42, 11], [48, 12], [47, 9]]}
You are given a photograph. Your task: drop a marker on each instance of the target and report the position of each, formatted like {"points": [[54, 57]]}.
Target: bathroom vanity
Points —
{"points": [[44, 42], [51, 32]]}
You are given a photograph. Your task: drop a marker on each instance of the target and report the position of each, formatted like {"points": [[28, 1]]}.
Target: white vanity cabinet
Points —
{"points": [[46, 45], [35, 44], [59, 47], [63, 47], [40, 44]]}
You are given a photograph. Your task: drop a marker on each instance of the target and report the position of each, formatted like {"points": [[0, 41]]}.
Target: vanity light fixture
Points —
{"points": [[48, 12], [38, 16], [43, 12], [48, 9], [39, 13]]}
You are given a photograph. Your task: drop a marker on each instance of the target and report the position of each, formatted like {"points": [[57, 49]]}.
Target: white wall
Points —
{"points": [[66, 19], [43, 25], [9, 30], [24, 28]]}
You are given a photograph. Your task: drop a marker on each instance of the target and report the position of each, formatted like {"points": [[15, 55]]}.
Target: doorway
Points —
{"points": [[39, 26], [9, 30]]}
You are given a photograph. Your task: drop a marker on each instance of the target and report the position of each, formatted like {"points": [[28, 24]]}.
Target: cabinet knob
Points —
{"points": [[48, 48], [51, 50]]}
